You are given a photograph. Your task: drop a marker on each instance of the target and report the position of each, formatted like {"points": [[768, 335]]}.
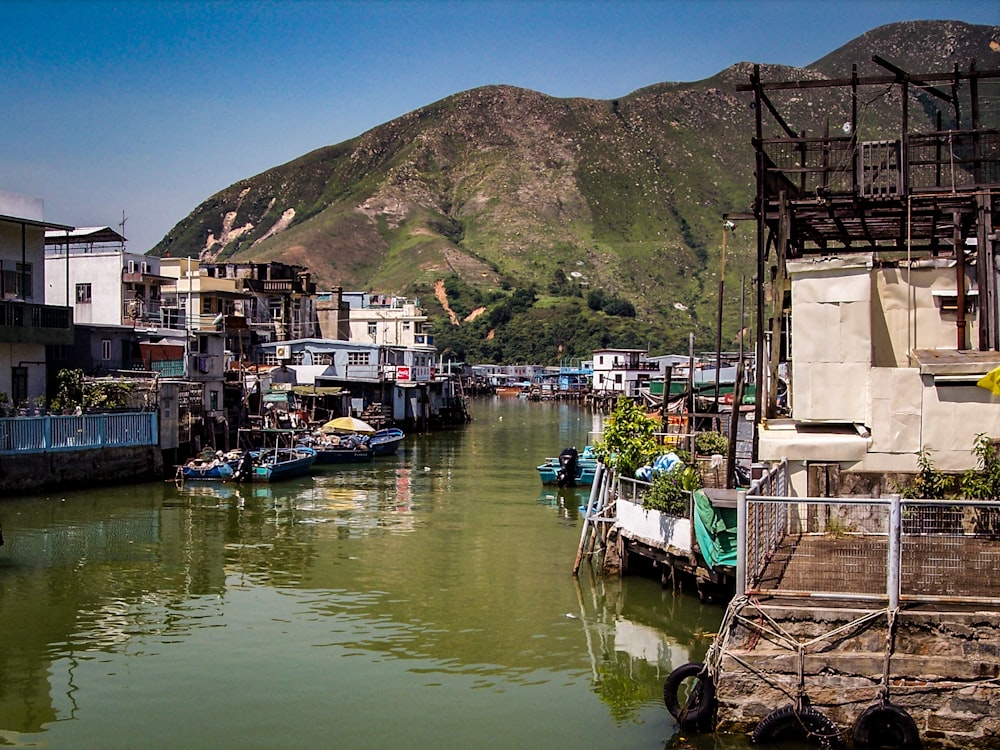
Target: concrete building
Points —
{"points": [[622, 371], [90, 269], [387, 320], [27, 324]]}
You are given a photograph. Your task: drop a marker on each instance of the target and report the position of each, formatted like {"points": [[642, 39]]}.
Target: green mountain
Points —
{"points": [[549, 226]]}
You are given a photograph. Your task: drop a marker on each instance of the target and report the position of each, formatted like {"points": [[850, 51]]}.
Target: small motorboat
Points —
{"points": [[570, 468], [385, 442], [213, 466], [275, 464], [338, 449]]}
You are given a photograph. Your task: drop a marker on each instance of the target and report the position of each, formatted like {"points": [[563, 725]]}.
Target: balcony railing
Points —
{"points": [[22, 322], [54, 433]]}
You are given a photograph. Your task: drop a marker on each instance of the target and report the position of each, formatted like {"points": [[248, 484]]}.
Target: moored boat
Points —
{"points": [[386, 442], [569, 469], [275, 464], [209, 466], [338, 449]]}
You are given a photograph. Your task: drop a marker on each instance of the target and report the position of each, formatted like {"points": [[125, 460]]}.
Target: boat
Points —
{"points": [[338, 449], [212, 466], [385, 442], [275, 464], [570, 468]]}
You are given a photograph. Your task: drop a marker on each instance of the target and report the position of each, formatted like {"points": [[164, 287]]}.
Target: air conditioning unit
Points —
{"points": [[283, 351]]}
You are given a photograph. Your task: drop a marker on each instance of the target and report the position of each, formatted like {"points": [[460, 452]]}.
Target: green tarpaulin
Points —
{"points": [[715, 529]]}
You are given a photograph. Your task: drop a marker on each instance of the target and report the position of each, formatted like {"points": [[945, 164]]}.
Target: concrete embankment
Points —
{"points": [[940, 665], [41, 471]]}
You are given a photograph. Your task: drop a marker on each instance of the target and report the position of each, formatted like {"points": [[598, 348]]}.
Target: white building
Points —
{"points": [[26, 324], [89, 269], [387, 320], [622, 371]]}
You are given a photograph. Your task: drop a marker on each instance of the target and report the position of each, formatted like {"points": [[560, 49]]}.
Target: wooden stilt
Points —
{"points": [[595, 494]]}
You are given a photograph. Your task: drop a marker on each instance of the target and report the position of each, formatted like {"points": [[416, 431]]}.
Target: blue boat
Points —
{"points": [[569, 469], [338, 449], [209, 466], [385, 442], [275, 464]]}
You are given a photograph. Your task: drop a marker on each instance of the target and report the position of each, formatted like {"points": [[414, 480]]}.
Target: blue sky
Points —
{"points": [[150, 107]]}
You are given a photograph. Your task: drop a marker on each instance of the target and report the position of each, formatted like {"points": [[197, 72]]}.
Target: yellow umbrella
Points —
{"points": [[348, 424]]}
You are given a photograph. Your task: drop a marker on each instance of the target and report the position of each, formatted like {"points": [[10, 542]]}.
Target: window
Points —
{"points": [[357, 358], [206, 306], [106, 349], [154, 292], [83, 293], [15, 279], [373, 330]]}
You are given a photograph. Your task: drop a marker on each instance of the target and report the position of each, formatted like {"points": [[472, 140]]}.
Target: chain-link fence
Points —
{"points": [[868, 548]]}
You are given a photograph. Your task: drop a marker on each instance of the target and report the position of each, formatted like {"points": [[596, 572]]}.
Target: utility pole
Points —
{"points": [[727, 225]]}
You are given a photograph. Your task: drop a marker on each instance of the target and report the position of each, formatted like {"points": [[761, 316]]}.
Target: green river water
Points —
{"points": [[425, 600]]}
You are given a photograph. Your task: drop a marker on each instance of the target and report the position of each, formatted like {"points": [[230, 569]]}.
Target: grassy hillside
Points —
{"points": [[528, 205]]}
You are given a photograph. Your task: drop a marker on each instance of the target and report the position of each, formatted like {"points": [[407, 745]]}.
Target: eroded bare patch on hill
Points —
{"points": [[442, 297]]}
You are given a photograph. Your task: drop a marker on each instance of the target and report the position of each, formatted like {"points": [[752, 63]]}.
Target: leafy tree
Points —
{"points": [[620, 308], [595, 299], [627, 442]]}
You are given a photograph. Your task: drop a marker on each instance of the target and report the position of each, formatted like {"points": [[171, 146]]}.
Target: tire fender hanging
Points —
{"points": [[888, 727], [699, 705], [791, 723]]}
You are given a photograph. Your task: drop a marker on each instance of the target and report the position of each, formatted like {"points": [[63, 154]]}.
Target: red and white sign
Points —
{"points": [[402, 373]]}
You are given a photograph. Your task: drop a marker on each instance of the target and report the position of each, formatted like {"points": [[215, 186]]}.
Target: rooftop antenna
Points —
{"points": [[122, 226]]}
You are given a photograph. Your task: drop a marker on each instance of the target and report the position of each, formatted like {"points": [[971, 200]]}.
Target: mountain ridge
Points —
{"points": [[501, 190]]}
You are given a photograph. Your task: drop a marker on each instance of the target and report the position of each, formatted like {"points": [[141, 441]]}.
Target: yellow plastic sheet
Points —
{"points": [[991, 381]]}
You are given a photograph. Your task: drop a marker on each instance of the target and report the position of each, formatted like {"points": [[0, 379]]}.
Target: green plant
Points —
{"points": [[709, 443], [627, 442], [984, 483], [69, 389], [669, 490], [929, 483]]}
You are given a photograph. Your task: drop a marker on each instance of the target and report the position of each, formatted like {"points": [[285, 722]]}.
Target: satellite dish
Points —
{"points": [[847, 128]]}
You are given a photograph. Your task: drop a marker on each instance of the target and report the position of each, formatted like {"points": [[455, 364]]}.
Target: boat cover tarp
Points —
{"points": [[715, 529]]}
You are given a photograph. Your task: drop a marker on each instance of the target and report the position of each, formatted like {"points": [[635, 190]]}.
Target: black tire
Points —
{"points": [[883, 726], [788, 724], [690, 704]]}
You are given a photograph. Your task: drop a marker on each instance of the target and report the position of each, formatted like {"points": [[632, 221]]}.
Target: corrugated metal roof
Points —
{"points": [[83, 235]]}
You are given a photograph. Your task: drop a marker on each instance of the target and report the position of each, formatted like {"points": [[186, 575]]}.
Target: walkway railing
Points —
{"points": [[66, 433], [880, 549]]}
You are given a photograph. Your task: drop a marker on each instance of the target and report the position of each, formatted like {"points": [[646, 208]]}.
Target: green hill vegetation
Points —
{"points": [[557, 225]]}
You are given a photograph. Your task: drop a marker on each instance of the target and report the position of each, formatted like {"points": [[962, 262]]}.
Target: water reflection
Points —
{"points": [[393, 600]]}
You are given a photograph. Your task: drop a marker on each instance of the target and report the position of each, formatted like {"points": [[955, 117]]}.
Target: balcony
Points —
{"points": [[25, 322]]}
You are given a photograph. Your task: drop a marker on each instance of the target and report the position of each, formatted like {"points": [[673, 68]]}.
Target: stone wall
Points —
{"points": [[38, 472], [944, 668]]}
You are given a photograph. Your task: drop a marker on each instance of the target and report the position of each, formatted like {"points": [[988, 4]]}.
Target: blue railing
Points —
{"points": [[58, 433]]}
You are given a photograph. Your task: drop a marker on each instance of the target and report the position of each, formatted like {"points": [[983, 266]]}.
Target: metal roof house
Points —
{"points": [[881, 252]]}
